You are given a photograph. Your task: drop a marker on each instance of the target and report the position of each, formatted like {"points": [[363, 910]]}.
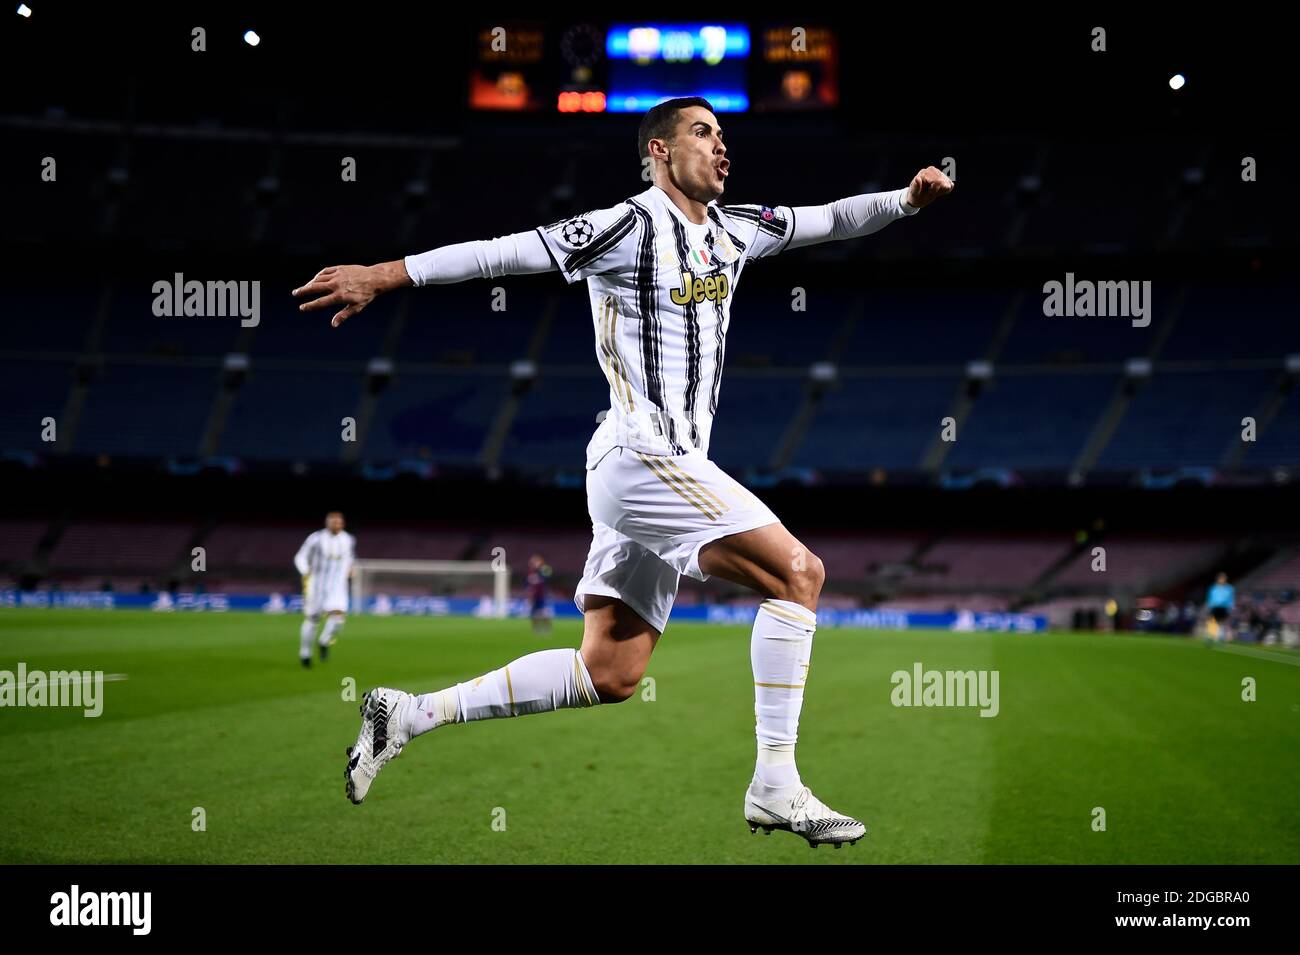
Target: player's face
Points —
{"points": [[334, 523], [697, 158]]}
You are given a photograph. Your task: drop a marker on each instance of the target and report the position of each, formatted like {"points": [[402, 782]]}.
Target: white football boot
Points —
{"points": [[381, 738], [802, 813]]}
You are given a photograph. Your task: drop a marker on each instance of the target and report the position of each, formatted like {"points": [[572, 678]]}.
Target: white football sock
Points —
{"points": [[332, 626], [780, 651], [305, 634], [536, 683]]}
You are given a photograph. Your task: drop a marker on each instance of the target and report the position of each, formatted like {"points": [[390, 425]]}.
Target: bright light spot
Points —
{"points": [[643, 44], [714, 41], [251, 38], [1177, 81], [24, 10]]}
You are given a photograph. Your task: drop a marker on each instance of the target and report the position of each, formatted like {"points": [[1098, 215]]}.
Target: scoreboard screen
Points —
{"points": [[628, 67]]}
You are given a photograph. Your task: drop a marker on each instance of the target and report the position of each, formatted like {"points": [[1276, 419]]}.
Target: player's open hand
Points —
{"points": [[352, 286], [926, 186]]}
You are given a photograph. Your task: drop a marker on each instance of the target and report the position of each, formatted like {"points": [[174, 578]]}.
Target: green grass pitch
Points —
{"points": [[215, 712]]}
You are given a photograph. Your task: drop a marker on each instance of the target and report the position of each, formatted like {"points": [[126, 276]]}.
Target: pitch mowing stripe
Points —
{"points": [[108, 678], [1259, 654]]}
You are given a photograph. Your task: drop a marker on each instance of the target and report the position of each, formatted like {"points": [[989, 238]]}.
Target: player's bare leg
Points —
{"points": [[542, 622], [616, 646], [771, 561]]}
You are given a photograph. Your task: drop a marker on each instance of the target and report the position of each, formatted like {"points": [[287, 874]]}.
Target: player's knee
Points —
{"points": [[802, 583], [615, 684]]}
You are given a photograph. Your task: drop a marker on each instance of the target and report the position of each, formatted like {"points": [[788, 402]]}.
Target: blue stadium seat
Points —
{"points": [[30, 391], [133, 329], [40, 321], [455, 323], [1244, 321], [147, 410], [555, 421], [1278, 443], [1032, 421], [443, 414], [285, 332], [753, 414], [1064, 340], [925, 326], [290, 415], [1184, 420], [882, 422]]}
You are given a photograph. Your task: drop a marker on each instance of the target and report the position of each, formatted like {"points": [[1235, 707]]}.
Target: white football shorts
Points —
{"points": [[318, 599], [650, 515]]}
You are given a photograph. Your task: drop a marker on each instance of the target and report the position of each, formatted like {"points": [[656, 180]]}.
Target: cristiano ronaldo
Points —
{"points": [[661, 270]]}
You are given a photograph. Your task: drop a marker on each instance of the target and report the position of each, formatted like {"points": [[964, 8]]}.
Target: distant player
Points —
{"points": [[1219, 603], [661, 268], [325, 562], [539, 604]]}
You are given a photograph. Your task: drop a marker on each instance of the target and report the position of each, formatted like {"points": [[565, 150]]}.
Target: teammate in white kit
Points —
{"points": [[325, 562], [661, 269]]}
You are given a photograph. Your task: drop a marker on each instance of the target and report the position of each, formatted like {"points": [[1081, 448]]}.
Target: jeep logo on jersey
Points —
{"points": [[578, 232], [714, 288]]}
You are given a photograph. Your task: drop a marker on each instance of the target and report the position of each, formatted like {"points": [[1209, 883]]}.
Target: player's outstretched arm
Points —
{"points": [[862, 215], [356, 286]]}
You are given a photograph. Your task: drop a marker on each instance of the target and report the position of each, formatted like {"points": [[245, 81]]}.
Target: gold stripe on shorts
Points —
{"points": [[683, 490], [723, 506]]}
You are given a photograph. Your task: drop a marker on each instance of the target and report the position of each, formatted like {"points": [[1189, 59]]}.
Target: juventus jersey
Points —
{"points": [[661, 289], [328, 558]]}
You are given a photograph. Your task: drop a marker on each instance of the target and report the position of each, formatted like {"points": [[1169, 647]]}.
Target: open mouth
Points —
{"points": [[722, 168]]}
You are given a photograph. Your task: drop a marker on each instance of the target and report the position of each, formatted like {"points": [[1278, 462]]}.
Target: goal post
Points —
{"points": [[366, 570]]}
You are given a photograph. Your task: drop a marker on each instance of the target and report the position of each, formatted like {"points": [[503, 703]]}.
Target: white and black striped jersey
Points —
{"points": [[328, 558], [661, 288]]}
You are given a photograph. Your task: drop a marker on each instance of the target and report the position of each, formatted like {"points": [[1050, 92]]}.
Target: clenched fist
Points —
{"points": [[926, 186]]}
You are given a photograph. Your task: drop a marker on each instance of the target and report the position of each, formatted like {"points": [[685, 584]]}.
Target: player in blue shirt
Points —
{"points": [[1219, 603]]}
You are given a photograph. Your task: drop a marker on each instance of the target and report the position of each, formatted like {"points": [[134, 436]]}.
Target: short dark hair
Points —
{"points": [[660, 121]]}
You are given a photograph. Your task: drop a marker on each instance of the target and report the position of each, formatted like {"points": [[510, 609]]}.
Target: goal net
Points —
{"points": [[427, 578]]}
